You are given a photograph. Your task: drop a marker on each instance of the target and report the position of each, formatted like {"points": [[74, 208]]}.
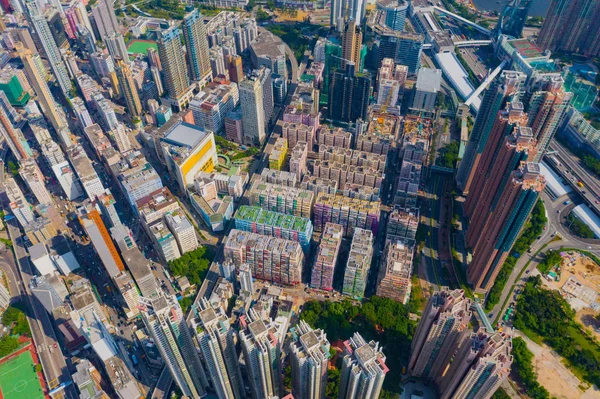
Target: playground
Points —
{"points": [[18, 377]]}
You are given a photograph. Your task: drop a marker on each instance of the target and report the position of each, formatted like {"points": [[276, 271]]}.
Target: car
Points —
{"points": [[491, 315], [526, 272], [55, 345]]}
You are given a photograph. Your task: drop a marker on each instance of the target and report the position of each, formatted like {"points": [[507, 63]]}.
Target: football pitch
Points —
{"points": [[18, 379], [140, 46]]}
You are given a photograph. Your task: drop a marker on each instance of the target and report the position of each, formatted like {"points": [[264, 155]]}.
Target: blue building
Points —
{"points": [[395, 13]]}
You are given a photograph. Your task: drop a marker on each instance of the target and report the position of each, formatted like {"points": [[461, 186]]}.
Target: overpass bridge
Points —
{"points": [[472, 43], [463, 20], [485, 83]]}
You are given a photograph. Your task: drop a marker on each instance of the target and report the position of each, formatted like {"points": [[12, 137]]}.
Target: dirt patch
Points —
{"points": [[552, 373], [587, 318]]}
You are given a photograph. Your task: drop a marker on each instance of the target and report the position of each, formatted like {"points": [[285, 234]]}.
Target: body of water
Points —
{"points": [[539, 8]]}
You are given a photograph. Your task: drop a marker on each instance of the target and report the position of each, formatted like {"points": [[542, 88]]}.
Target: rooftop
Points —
{"points": [[185, 135]]}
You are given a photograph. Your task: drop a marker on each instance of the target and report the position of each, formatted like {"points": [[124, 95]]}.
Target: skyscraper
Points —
{"points": [[105, 17], [196, 45], [174, 69], [262, 354], [128, 89], [444, 320], [234, 66], [351, 45], [48, 44], [14, 137], [309, 356], [571, 25], [349, 95], [38, 82], [507, 85], [251, 101], [446, 352], [363, 369], [404, 48], [166, 323], [545, 102], [356, 10], [516, 199], [116, 46], [395, 13], [337, 14], [513, 18], [502, 155], [217, 341]]}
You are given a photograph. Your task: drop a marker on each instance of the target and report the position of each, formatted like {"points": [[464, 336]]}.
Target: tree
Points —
{"points": [[194, 265], [333, 382]]}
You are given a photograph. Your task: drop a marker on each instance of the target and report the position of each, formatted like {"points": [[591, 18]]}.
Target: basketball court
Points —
{"points": [[18, 378]]}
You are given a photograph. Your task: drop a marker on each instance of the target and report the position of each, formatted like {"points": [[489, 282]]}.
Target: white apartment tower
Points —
{"points": [[309, 354], [251, 100], [363, 369], [217, 341], [166, 323], [262, 354]]}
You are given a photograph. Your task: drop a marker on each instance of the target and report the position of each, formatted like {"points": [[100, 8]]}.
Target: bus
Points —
{"points": [[507, 315]]}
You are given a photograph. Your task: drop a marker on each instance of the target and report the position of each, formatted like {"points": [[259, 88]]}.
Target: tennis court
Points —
{"points": [[18, 379]]}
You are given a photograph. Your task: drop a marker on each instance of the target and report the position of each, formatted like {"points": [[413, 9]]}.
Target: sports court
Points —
{"points": [[18, 379], [137, 46]]}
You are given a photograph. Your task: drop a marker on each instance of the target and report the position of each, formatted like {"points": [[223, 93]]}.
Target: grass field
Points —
{"points": [[140, 46], [18, 379]]}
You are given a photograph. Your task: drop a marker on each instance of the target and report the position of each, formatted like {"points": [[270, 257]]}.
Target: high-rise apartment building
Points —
{"points": [[105, 18], [502, 155], [40, 24], [174, 67], [115, 43], [262, 354], [390, 81], [233, 63], [281, 198], [196, 45], [18, 205], [275, 224], [513, 18], [546, 103], [166, 323], [349, 95], [217, 340], [404, 48], [363, 369], [445, 318], [501, 91], [40, 86], [350, 213], [403, 223], [446, 352], [251, 100], [183, 230], [395, 13], [270, 258], [351, 44], [35, 180], [128, 89], [13, 137], [394, 279], [516, 198], [359, 263], [102, 241], [571, 26], [309, 357], [326, 258]]}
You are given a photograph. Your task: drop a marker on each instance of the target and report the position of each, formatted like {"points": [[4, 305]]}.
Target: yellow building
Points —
{"points": [[277, 156], [188, 150]]}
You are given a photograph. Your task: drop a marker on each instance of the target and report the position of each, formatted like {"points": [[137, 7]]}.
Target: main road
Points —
{"points": [[53, 362]]}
